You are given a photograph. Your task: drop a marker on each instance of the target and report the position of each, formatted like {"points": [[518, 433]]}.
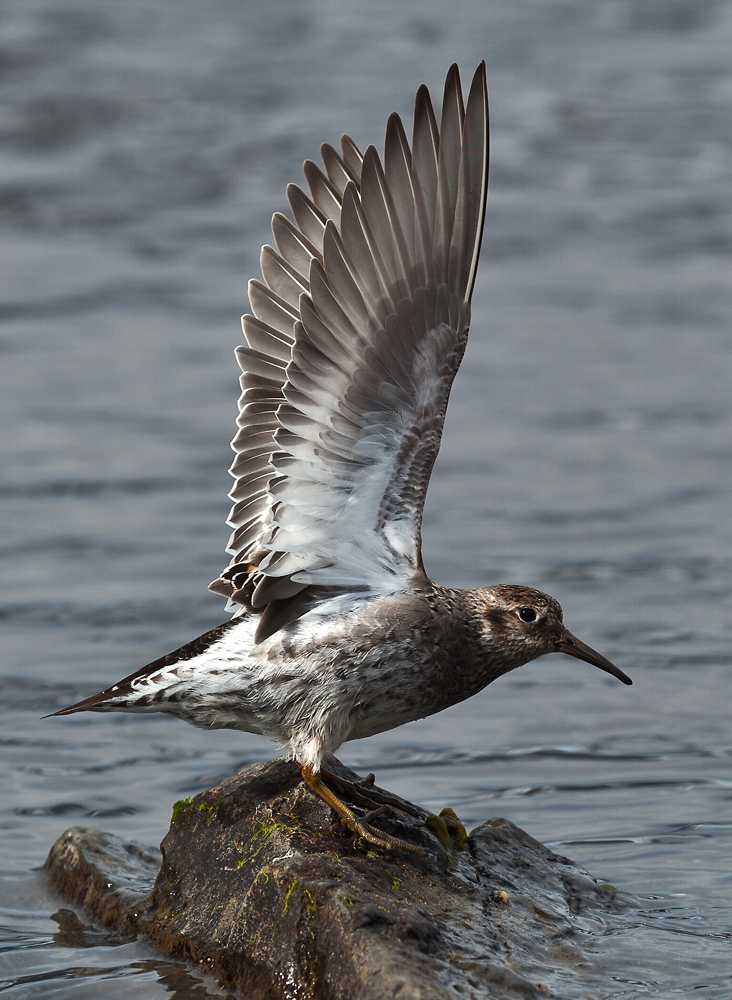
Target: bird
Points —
{"points": [[356, 333]]}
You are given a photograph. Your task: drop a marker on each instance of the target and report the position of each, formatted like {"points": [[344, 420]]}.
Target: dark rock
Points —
{"points": [[259, 885]]}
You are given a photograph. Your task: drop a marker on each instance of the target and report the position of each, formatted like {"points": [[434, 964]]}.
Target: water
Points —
{"points": [[143, 148]]}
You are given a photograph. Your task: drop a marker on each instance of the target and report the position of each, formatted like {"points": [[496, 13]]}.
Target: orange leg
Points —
{"points": [[349, 818]]}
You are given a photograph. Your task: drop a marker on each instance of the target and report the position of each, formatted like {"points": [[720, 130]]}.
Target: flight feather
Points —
{"points": [[358, 329]]}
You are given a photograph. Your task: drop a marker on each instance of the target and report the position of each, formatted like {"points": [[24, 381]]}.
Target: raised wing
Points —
{"points": [[358, 330]]}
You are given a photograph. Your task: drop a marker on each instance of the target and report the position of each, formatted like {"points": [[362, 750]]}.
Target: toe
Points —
{"points": [[385, 840]]}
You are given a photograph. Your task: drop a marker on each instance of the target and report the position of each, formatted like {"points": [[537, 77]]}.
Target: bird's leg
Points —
{"points": [[349, 819]]}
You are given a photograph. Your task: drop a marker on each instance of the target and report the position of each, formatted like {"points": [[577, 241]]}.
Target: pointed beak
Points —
{"points": [[572, 646]]}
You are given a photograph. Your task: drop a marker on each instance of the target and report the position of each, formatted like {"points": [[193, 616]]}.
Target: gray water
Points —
{"points": [[143, 147]]}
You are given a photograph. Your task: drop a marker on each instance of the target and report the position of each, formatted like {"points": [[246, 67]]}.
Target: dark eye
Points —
{"points": [[527, 614]]}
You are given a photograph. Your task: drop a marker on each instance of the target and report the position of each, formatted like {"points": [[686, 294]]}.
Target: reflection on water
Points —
{"points": [[143, 147]]}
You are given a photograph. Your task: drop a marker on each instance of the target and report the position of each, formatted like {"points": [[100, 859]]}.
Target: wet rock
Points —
{"points": [[260, 885]]}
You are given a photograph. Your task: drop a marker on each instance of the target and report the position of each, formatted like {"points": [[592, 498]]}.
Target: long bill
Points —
{"points": [[573, 646]]}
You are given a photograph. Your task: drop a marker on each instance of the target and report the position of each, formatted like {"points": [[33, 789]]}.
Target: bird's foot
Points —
{"points": [[448, 829], [363, 829], [363, 793], [358, 825]]}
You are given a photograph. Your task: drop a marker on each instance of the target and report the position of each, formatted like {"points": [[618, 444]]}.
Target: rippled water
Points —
{"points": [[143, 147]]}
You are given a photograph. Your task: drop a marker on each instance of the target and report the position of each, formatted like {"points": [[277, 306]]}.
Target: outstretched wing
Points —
{"points": [[358, 330]]}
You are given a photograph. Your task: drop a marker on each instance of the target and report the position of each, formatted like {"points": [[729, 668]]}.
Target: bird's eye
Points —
{"points": [[527, 614]]}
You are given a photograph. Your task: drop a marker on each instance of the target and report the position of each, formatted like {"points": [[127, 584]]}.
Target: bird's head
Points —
{"points": [[521, 624]]}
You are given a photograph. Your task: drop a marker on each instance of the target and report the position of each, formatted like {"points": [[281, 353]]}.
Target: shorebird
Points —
{"points": [[358, 328]]}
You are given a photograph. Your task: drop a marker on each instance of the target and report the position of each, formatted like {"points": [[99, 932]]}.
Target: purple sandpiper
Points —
{"points": [[358, 328]]}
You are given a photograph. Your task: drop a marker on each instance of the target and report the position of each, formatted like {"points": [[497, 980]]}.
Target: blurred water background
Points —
{"points": [[143, 148]]}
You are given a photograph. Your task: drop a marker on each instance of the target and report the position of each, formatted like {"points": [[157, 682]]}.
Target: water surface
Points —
{"points": [[143, 148]]}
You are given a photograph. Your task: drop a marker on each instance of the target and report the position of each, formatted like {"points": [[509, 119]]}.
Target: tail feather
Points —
{"points": [[105, 700]]}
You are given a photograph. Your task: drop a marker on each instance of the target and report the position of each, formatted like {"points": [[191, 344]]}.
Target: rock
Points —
{"points": [[258, 884]]}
